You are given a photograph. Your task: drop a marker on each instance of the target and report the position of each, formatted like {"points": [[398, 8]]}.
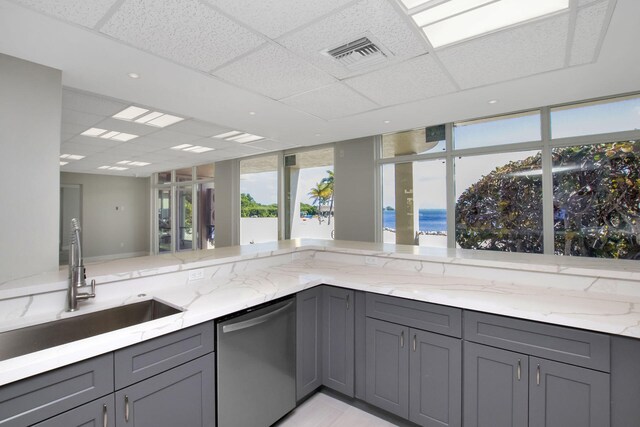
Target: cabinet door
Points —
{"points": [[387, 384], [99, 413], [563, 395], [182, 396], [495, 387], [435, 384], [308, 341], [338, 340]]}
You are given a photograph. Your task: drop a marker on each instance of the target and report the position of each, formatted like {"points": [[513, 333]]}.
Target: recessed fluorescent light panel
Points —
{"points": [[143, 116], [238, 136], [64, 163], [457, 20], [192, 148], [71, 156], [132, 163], [106, 134], [113, 168]]}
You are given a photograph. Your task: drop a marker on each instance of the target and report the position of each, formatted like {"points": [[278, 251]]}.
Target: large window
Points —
{"points": [[259, 200], [560, 180], [309, 183]]}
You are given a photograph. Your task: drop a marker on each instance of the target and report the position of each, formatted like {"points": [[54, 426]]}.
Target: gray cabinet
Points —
{"points": [[414, 374], [99, 413], [495, 387], [308, 341], [562, 395], [338, 344], [43, 396], [435, 385], [182, 396], [507, 389], [387, 365]]}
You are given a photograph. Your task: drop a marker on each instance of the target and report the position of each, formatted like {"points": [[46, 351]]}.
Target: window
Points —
{"points": [[309, 183], [596, 200], [259, 200], [611, 115], [186, 206], [499, 202], [514, 128], [490, 173], [415, 203]]}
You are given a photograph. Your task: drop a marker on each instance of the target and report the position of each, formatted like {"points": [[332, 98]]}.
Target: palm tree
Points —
{"points": [[319, 195], [328, 181]]}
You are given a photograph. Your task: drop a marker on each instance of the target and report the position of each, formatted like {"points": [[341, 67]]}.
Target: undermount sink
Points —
{"points": [[22, 341]]}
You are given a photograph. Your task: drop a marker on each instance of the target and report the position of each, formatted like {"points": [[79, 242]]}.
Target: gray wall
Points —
{"points": [[30, 112], [227, 203], [355, 190], [107, 232]]}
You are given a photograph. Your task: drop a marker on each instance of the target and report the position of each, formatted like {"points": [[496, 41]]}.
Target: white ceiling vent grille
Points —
{"points": [[358, 54]]}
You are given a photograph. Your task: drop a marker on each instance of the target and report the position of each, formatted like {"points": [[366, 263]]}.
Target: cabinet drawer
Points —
{"points": [[97, 413], [416, 314], [140, 361], [34, 399], [573, 346]]}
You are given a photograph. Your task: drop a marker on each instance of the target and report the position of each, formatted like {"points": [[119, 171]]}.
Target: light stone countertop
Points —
{"points": [[589, 294]]}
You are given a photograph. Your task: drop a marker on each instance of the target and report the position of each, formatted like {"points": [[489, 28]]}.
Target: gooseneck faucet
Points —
{"points": [[77, 277]]}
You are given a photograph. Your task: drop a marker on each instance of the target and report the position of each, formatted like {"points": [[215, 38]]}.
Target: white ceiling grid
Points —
{"points": [[415, 79], [185, 31], [274, 48], [274, 72]]}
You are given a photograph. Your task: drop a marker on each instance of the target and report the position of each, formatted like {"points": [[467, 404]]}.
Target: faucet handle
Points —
{"points": [[93, 288], [85, 295]]}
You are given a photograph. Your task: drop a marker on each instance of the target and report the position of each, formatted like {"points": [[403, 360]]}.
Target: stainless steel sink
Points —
{"points": [[39, 337]]}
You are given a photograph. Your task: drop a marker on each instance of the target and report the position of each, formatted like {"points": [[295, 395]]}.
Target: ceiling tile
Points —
{"points": [[276, 17], [72, 128], [83, 12], [271, 145], [175, 138], [81, 149], [589, 27], [127, 127], [79, 101], [80, 118], [275, 72], [412, 80], [522, 51], [197, 127], [186, 31], [331, 102], [377, 18]]}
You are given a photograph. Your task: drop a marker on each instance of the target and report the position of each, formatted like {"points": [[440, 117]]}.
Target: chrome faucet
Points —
{"points": [[77, 276]]}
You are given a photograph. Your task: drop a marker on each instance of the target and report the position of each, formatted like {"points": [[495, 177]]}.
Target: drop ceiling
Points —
{"points": [[262, 67]]}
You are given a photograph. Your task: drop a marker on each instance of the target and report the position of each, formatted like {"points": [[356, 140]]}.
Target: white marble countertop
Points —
{"points": [[592, 295]]}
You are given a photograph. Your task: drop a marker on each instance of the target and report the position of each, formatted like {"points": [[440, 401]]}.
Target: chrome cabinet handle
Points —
{"points": [[538, 375], [519, 371], [414, 342], [402, 339], [105, 420], [347, 301], [126, 408]]}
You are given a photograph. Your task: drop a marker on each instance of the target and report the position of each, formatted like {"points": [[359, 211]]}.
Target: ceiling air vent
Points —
{"points": [[358, 54]]}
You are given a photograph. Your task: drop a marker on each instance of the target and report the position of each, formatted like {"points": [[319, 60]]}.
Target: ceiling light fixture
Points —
{"points": [[387, 121], [143, 116], [192, 148], [410, 4], [134, 75], [252, 113], [71, 156], [64, 163], [239, 136], [493, 101], [93, 132], [106, 134], [458, 20], [132, 163]]}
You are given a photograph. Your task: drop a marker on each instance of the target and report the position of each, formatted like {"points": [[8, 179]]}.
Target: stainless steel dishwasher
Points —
{"points": [[256, 365]]}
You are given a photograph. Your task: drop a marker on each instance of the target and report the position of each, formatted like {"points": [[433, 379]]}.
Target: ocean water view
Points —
{"points": [[429, 219]]}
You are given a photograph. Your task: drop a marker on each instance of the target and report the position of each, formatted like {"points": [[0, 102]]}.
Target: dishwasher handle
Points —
{"points": [[253, 322]]}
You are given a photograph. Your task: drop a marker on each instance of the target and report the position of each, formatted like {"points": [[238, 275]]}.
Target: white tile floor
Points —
{"points": [[321, 410]]}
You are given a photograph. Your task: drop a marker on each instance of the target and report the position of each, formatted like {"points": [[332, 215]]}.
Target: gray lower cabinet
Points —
{"points": [[338, 342], [308, 341], [508, 389], [99, 413], [182, 396], [414, 374], [496, 387], [562, 395]]}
